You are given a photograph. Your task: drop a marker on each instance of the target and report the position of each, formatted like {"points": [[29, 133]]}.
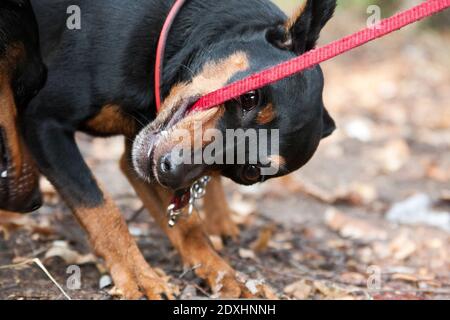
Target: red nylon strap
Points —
{"points": [[319, 55], [298, 64], [162, 48]]}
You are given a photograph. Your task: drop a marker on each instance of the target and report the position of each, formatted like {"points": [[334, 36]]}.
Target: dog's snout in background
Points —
{"points": [[22, 75]]}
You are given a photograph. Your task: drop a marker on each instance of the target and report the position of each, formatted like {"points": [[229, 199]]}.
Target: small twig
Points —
{"points": [[185, 272], [202, 290], [38, 262], [17, 265], [40, 265]]}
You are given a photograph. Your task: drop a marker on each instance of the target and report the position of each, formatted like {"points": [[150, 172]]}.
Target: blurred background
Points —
{"points": [[367, 218]]}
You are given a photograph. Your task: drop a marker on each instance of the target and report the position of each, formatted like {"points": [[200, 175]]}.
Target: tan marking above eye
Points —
{"points": [[213, 76], [266, 115]]}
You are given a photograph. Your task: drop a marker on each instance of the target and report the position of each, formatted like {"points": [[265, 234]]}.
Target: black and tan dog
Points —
{"points": [[22, 75], [100, 82]]}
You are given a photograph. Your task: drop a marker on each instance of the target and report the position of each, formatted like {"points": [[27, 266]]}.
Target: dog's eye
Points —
{"points": [[250, 100], [251, 174]]}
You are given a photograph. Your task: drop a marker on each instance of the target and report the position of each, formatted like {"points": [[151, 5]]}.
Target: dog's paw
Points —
{"points": [[139, 282], [222, 226], [234, 285]]}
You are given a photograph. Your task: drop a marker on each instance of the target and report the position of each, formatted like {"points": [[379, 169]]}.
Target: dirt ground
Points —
{"points": [[367, 218]]}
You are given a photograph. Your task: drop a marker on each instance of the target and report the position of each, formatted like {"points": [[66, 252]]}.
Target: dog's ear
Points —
{"points": [[303, 29], [328, 124]]}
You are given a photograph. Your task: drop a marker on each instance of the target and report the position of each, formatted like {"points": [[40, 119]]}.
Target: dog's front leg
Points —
{"points": [[188, 237], [60, 160], [111, 240], [217, 218]]}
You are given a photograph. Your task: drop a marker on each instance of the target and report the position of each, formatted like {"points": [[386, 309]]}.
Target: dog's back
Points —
{"points": [[117, 41]]}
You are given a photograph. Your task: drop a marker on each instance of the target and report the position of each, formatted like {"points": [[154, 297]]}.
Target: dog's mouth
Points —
{"points": [[164, 131], [154, 142]]}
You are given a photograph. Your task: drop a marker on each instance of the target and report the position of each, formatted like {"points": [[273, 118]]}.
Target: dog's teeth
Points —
{"points": [[4, 174]]}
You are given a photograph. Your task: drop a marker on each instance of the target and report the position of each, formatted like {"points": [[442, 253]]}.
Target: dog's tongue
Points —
{"points": [[181, 199]]}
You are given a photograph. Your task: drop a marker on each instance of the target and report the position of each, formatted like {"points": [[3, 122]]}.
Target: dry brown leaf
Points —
{"points": [[10, 222], [353, 278], [242, 207], [62, 250], [332, 291], [268, 292], [363, 193], [394, 155], [349, 227], [216, 242], [265, 235], [402, 247], [247, 254], [396, 296], [300, 290], [317, 192], [445, 196], [356, 194], [405, 277], [242, 210], [435, 172]]}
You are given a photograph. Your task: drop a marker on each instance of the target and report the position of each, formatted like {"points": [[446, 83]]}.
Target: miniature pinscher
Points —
{"points": [[101, 82]]}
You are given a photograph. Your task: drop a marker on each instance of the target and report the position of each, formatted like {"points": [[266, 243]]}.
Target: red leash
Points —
{"points": [[307, 60], [162, 48]]}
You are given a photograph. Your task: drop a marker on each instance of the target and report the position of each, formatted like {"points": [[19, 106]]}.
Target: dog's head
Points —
{"points": [[22, 75], [264, 134]]}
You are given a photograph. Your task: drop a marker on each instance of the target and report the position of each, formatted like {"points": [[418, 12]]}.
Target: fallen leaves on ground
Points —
{"points": [[61, 249], [307, 289], [349, 227], [418, 210], [10, 222], [265, 235], [355, 194]]}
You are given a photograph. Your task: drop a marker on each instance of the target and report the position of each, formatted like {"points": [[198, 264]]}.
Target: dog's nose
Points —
{"points": [[176, 175], [166, 166], [32, 203], [170, 174], [35, 201]]}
